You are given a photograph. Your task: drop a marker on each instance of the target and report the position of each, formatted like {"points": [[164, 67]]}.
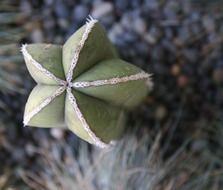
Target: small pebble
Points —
{"points": [[25, 7], [149, 39], [139, 26], [199, 145], [191, 55], [218, 76], [63, 23], [182, 81], [130, 37], [126, 21], [175, 70], [49, 23], [48, 2], [30, 149], [209, 24], [121, 5], [151, 4], [57, 133], [80, 13], [142, 48], [61, 9], [107, 20], [102, 9], [37, 36], [160, 113]]}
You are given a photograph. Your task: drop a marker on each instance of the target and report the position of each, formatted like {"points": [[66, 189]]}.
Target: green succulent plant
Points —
{"points": [[83, 85]]}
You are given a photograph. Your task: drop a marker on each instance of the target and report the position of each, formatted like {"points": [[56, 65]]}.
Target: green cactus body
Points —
{"points": [[83, 85]]}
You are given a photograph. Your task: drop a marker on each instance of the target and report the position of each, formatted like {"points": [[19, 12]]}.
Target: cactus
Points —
{"points": [[83, 85]]}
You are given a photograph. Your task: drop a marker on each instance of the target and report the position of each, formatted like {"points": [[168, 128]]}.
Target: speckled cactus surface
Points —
{"points": [[83, 85]]}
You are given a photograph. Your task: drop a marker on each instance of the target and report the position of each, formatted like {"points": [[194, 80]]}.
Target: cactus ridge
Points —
{"points": [[112, 81], [89, 25], [85, 125]]}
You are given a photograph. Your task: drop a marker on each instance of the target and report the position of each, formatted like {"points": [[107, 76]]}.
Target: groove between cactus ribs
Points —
{"points": [[47, 73]]}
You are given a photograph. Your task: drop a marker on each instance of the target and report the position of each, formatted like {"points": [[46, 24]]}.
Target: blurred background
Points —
{"points": [[174, 140]]}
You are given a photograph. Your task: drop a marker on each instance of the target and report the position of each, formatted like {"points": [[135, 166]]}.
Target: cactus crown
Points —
{"points": [[83, 85]]}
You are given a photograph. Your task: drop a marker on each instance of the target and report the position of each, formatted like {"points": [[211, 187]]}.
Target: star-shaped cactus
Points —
{"points": [[83, 85]]}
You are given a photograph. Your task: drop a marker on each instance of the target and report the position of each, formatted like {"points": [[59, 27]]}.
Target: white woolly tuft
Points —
{"points": [[89, 19], [112, 81]]}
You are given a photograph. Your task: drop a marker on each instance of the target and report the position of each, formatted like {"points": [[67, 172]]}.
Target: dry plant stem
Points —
{"points": [[132, 165], [82, 180], [68, 85], [31, 182]]}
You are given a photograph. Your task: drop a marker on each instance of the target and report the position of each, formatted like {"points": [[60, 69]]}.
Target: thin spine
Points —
{"points": [[42, 105], [97, 141], [89, 25], [112, 81], [47, 73]]}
